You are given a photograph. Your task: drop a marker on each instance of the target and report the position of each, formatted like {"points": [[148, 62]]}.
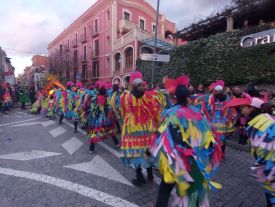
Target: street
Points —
{"points": [[43, 164]]}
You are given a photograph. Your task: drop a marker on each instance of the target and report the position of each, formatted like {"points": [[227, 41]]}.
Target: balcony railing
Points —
{"points": [[136, 33], [125, 25], [95, 32], [83, 38], [83, 58], [74, 44]]}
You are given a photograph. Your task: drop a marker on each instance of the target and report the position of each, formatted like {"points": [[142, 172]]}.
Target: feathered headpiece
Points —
{"points": [[246, 101], [79, 85], [70, 83], [6, 85], [136, 78], [218, 85], [171, 84]]}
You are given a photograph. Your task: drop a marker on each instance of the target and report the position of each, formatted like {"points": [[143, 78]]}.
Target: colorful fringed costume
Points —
{"points": [[37, 104], [188, 155], [261, 132], [101, 122], [141, 118]]}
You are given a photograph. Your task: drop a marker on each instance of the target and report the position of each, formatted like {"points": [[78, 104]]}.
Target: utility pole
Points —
{"points": [[156, 39]]}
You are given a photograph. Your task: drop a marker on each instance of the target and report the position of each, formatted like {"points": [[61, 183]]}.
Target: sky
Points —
{"points": [[28, 26]]}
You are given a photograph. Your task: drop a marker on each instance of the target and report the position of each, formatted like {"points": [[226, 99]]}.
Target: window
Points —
{"points": [[96, 48], [96, 26], [96, 69], [61, 49], [117, 62], [154, 28], [84, 72], [142, 24], [108, 15], [85, 53], [68, 44], [75, 39], [129, 57], [75, 58], [84, 33], [127, 16]]}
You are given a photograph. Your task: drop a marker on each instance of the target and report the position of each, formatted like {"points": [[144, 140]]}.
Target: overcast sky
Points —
{"points": [[27, 26]]}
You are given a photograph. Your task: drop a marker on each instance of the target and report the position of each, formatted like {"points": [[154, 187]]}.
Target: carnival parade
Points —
{"points": [[137, 103], [181, 134]]}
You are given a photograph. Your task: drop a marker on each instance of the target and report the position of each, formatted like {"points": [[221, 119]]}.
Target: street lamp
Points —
{"points": [[156, 39]]}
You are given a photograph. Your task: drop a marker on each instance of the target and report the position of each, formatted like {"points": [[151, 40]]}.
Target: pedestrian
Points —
{"points": [[102, 119], [140, 111], [187, 152], [261, 131]]}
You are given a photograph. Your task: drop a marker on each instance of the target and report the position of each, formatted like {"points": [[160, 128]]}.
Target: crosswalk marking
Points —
{"points": [[48, 123], [28, 155], [25, 124], [57, 131], [72, 145], [100, 167]]}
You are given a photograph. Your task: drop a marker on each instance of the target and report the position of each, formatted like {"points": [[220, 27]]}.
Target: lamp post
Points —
{"points": [[155, 41]]}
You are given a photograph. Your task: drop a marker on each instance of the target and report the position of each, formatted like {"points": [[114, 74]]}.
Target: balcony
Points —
{"points": [[126, 26], [74, 44], [136, 34], [83, 58], [95, 32], [83, 38]]}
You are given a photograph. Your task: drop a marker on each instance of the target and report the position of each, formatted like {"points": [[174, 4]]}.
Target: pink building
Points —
{"points": [[105, 42]]}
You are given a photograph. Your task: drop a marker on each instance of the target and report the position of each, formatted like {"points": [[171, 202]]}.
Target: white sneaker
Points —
{"points": [[92, 152]]}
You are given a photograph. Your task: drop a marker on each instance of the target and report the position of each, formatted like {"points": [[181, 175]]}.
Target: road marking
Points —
{"points": [[157, 180], [80, 189], [57, 131], [25, 124], [24, 116], [48, 123], [72, 145], [28, 155], [20, 112], [19, 122], [100, 167]]}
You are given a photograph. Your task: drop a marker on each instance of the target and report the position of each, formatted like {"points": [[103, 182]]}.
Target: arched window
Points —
{"points": [[129, 57], [117, 62]]}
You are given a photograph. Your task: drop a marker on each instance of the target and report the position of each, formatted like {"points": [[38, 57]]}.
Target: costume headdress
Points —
{"points": [[171, 84], [217, 86], [136, 78], [246, 101]]}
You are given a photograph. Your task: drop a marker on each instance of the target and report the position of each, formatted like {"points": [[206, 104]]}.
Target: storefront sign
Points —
{"points": [[260, 38]]}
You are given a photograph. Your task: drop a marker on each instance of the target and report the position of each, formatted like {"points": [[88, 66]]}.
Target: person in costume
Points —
{"points": [[102, 119], [140, 112], [261, 133], [7, 99], [76, 104], [115, 103], [188, 153], [51, 106], [221, 118], [36, 107], [23, 98]]}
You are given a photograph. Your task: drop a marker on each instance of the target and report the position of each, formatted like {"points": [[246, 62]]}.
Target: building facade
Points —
{"points": [[6, 69], [36, 73], [105, 42]]}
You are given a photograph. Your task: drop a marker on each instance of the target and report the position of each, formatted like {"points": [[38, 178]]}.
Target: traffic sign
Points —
{"points": [[155, 57]]}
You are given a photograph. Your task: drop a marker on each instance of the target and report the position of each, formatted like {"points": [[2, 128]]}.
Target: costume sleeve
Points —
{"points": [[261, 131]]}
